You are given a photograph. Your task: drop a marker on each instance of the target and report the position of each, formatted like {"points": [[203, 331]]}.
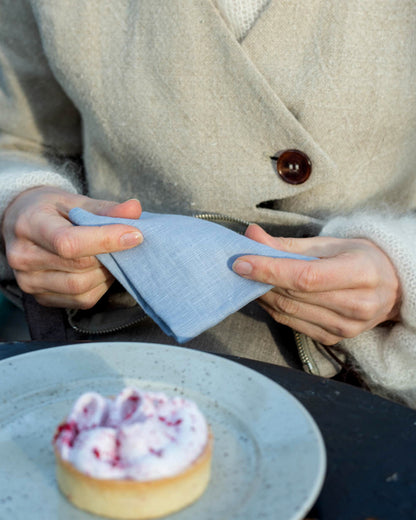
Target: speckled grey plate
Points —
{"points": [[269, 458]]}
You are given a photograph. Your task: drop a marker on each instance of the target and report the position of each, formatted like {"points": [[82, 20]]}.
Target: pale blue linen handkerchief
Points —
{"points": [[181, 274]]}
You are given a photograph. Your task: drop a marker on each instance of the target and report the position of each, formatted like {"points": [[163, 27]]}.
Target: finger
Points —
{"points": [[62, 283], [62, 238], [310, 329], [41, 216], [80, 301], [327, 274], [24, 255], [130, 209], [357, 304], [127, 209], [312, 246], [328, 320]]}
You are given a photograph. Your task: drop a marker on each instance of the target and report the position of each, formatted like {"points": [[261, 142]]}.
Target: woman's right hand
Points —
{"points": [[52, 259]]}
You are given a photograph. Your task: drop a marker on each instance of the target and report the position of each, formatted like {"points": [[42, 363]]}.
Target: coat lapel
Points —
{"points": [[140, 64], [252, 62]]}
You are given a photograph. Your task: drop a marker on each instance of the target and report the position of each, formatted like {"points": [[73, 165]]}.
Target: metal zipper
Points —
{"points": [[215, 217], [70, 313], [307, 363]]}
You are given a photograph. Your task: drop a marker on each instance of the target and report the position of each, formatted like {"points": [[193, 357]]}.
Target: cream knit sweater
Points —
{"points": [[286, 76], [241, 14]]}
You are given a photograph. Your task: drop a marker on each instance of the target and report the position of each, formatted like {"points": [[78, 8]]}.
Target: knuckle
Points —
{"points": [[19, 255], [273, 312], [65, 243], [354, 330], [280, 317], [44, 300], [14, 258], [328, 339], [367, 271], [283, 242], [348, 330], [76, 284], [286, 305], [86, 262], [306, 279], [21, 225], [366, 309], [271, 271], [342, 332], [107, 242], [24, 284], [87, 301], [370, 277]]}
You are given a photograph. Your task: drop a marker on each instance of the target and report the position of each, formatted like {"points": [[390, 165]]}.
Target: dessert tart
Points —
{"points": [[140, 455]]}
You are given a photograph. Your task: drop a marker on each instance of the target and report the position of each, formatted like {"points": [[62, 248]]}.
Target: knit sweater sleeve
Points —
{"points": [[386, 356], [39, 126]]}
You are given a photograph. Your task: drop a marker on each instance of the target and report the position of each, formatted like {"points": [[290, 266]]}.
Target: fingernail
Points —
{"points": [[131, 239], [242, 268]]}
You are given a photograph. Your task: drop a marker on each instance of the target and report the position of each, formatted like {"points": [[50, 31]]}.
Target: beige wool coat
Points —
{"points": [[160, 101]]}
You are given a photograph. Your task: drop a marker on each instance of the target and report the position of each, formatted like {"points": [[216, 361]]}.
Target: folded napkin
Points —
{"points": [[181, 274]]}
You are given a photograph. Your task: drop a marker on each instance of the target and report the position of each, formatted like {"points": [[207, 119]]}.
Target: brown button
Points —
{"points": [[293, 166]]}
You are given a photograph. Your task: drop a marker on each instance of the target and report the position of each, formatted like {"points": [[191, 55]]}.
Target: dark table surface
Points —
{"points": [[370, 443]]}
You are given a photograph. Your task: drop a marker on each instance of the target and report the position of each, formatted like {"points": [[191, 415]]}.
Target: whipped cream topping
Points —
{"points": [[138, 435]]}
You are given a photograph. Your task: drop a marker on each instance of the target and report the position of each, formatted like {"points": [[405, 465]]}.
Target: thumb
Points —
{"points": [[110, 238]]}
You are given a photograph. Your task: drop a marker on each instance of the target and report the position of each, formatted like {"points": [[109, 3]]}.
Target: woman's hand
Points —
{"points": [[54, 260], [351, 288]]}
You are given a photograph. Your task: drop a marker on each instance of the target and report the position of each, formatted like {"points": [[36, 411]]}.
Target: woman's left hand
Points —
{"points": [[351, 288]]}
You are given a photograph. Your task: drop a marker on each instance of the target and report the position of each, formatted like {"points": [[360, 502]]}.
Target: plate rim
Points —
{"points": [[10, 362]]}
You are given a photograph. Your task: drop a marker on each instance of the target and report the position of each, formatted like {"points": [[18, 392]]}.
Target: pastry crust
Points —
{"points": [[132, 499]]}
